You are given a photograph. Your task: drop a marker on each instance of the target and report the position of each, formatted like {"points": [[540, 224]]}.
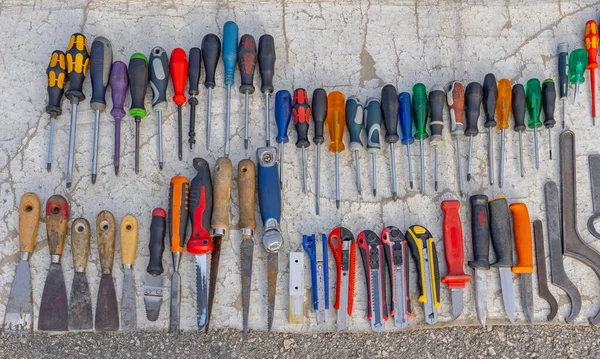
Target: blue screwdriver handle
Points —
{"points": [[230, 45], [269, 192], [283, 114], [373, 124], [308, 242], [405, 118], [354, 121]]}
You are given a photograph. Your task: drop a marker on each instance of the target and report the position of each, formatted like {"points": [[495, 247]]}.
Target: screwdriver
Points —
{"points": [[389, 109], [406, 125], [78, 59], [518, 109], [246, 61], [503, 113], [335, 123], [283, 115], [211, 50], [373, 128], [548, 102], [354, 121], [194, 78], [591, 46], [266, 66], [578, 60], [455, 97], [138, 83], [533, 94], [490, 94], [420, 109], [118, 87], [301, 113], [179, 72], [100, 63], [230, 43], [563, 79], [57, 76], [473, 97], [437, 99], [159, 79], [319, 113]]}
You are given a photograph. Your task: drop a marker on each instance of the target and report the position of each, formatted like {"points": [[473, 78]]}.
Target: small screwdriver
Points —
{"points": [[230, 43], [57, 76], [195, 66], [335, 124], [591, 46], [405, 124], [490, 94], [283, 115], [211, 52], [373, 129], [138, 84], [301, 113], [354, 121], [518, 109], [159, 80], [420, 110], [119, 83], [563, 79], [503, 113], [179, 72], [455, 97], [548, 102], [319, 113], [437, 99], [389, 109], [473, 97], [246, 61], [578, 60], [266, 66], [533, 94]]}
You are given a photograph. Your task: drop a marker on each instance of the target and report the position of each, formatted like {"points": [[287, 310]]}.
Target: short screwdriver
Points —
{"points": [[533, 93], [563, 79], [246, 61], [437, 99], [548, 102], [490, 94], [283, 115], [389, 109], [591, 46], [178, 68], [101, 58], [138, 84], [78, 59], [518, 109], [455, 97], [420, 110], [354, 121], [503, 106], [301, 113], [319, 113], [266, 66], [230, 44], [405, 124], [373, 129], [57, 76], [119, 83], [335, 124], [194, 70], [473, 97], [211, 51], [159, 80], [578, 60]]}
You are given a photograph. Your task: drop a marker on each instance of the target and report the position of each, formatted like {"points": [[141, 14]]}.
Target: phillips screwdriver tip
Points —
{"points": [[436, 186], [160, 165], [137, 170], [68, 184], [268, 143], [395, 196], [412, 185], [337, 204], [116, 170], [468, 177], [245, 144], [374, 193], [93, 179], [48, 166]]}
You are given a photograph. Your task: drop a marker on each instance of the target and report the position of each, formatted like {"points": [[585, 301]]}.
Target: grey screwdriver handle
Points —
{"points": [[159, 78], [101, 59]]}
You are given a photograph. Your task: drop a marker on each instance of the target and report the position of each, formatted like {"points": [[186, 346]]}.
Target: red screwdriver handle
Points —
{"points": [[179, 74], [201, 206], [591, 43], [453, 246]]}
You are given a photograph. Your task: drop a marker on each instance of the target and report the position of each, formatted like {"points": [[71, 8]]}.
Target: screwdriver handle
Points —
{"points": [[500, 232], [138, 83], [563, 78], [503, 104], [101, 59], [490, 95], [29, 219], [405, 118], [178, 67], [119, 83], [480, 232], [336, 114], [354, 121], [221, 195], [533, 95], [591, 44], [159, 78], [200, 209], [246, 61], [548, 102], [518, 107], [389, 108], [78, 59], [156, 245], [105, 232], [230, 44], [57, 76], [418, 239], [437, 100], [373, 124], [283, 114], [266, 62], [301, 113], [455, 97], [523, 239], [211, 52], [420, 111], [319, 113], [246, 181], [578, 60], [473, 97], [129, 238], [80, 243], [194, 71], [453, 245], [269, 191], [178, 212], [57, 218]]}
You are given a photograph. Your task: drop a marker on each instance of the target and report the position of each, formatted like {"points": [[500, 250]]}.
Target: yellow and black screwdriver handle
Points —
{"points": [[57, 77], [424, 253], [78, 59]]}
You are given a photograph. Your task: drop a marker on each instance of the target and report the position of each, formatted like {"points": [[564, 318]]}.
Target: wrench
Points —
{"points": [[542, 274], [594, 163]]}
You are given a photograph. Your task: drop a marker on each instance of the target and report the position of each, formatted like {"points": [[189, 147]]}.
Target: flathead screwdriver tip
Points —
{"points": [[68, 184], [435, 186], [245, 144], [93, 179], [116, 170], [468, 177], [160, 165], [337, 203], [374, 193], [48, 166], [268, 143], [395, 196]]}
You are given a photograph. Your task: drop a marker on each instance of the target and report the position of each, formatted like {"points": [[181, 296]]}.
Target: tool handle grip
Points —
{"points": [[405, 118], [523, 239], [365, 254], [156, 245], [308, 243], [222, 194], [437, 100], [591, 44], [480, 231], [518, 107], [354, 121], [129, 238], [80, 242], [501, 232], [319, 113], [473, 97], [548, 102], [246, 182], [57, 218], [178, 212], [105, 232], [503, 104], [138, 83], [389, 109], [283, 114], [101, 59], [336, 115], [351, 276], [266, 62], [29, 219], [373, 121], [419, 238], [194, 70], [230, 44], [246, 61], [78, 59], [453, 246], [159, 77], [118, 84], [455, 97], [178, 69], [56, 74], [533, 95], [211, 52], [201, 207], [420, 111], [269, 192], [301, 114], [490, 95], [563, 78]]}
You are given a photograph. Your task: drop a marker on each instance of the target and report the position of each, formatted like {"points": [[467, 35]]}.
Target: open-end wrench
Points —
{"points": [[594, 163]]}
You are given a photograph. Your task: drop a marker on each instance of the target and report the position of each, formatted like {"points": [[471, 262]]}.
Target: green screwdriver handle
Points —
{"points": [[420, 111], [578, 60], [533, 94]]}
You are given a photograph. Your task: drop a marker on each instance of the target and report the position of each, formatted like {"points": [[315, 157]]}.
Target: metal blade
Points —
{"points": [[272, 270], [481, 295], [201, 292], [431, 315], [246, 252], [400, 318], [107, 310], [342, 314], [175, 302], [54, 311], [128, 302], [321, 311], [377, 322], [526, 284], [153, 295], [214, 271], [457, 303], [81, 316], [19, 308], [508, 293]]}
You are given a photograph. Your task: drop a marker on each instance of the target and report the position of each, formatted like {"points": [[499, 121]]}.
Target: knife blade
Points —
{"points": [[107, 310], [81, 315], [129, 238], [153, 279]]}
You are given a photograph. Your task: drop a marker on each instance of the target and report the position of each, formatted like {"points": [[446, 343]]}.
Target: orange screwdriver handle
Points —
{"points": [[336, 119], [179, 73], [178, 212], [503, 103], [453, 246], [523, 239], [591, 44]]}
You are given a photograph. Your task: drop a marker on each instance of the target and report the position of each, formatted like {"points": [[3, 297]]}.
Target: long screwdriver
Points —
{"points": [[455, 97], [266, 66], [159, 80], [283, 116], [591, 46], [420, 110], [319, 113], [389, 109], [548, 102], [473, 97], [211, 52], [178, 68], [354, 121], [405, 124], [57, 76], [78, 58], [119, 83], [246, 61], [138, 84], [490, 94], [533, 93], [194, 71], [373, 129], [518, 109], [503, 106], [437, 99], [563, 78], [230, 44], [101, 58], [301, 113], [335, 124]]}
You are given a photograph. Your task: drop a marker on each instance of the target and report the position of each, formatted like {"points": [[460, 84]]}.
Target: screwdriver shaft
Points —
{"points": [[50, 144], [337, 180], [537, 152], [227, 114], [209, 97], [303, 171], [410, 173], [469, 158], [95, 148], [137, 144], [374, 171], [71, 144], [576, 93], [521, 153], [246, 122], [563, 100], [281, 149], [357, 164], [491, 155], [393, 160], [160, 141], [435, 165], [501, 180], [422, 167], [117, 156], [179, 133], [459, 167], [318, 181], [267, 123], [550, 141], [192, 132]]}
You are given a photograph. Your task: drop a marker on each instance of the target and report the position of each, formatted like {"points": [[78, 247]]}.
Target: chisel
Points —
{"points": [[246, 181], [177, 220], [81, 315], [107, 310], [129, 238]]}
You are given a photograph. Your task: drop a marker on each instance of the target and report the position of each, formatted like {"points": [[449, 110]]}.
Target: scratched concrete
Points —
{"points": [[352, 46]]}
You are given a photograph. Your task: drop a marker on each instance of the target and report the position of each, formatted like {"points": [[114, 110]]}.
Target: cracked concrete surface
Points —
{"points": [[352, 46]]}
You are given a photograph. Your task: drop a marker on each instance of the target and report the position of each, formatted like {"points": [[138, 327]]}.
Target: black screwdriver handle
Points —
{"points": [[246, 61], [490, 95], [157, 241], [211, 52], [319, 113], [159, 77], [473, 97], [548, 102], [389, 108], [101, 59], [78, 59], [266, 62], [480, 231], [138, 84], [57, 76], [437, 100], [301, 115], [194, 70], [518, 107], [501, 232]]}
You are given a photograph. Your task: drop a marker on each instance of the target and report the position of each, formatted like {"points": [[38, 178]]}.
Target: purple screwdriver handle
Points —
{"points": [[118, 83]]}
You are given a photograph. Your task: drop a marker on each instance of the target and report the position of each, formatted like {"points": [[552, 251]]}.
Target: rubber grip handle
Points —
{"points": [[156, 246], [201, 207], [563, 78], [78, 59], [211, 52], [501, 232], [455, 97], [354, 121], [80, 243], [119, 82], [389, 108], [194, 70], [308, 243], [453, 246], [548, 102], [373, 124], [420, 111], [319, 113], [129, 239], [523, 238], [57, 218], [29, 219], [418, 238], [266, 62], [351, 276], [480, 232], [591, 44], [490, 95], [518, 107], [101, 59], [301, 114], [405, 118], [222, 194], [230, 44], [246, 61], [283, 114], [138, 84], [336, 120], [178, 212], [105, 232], [56, 74], [473, 97], [269, 192], [246, 182], [533, 93], [366, 260], [159, 78], [178, 69], [437, 100]]}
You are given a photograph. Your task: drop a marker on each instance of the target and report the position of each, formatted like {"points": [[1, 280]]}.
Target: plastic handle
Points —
{"points": [[319, 113], [80, 242], [78, 59], [455, 97], [269, 192], [138, 84], [420, 110], [563, 78], [246, 181], [301, 114], [56, 74], [29, 219], [473, 97], [159, 78], [437, 100], [178, 212], [501, 232], [336, 115], [211, 52], [419, 238], [201, 207], [266, 62], [523, 239], [518, 107], [57, 218], [503, 104], [119, 82], [354, 121], [490, 95], [222, 194], [230, 44], [283, 114], [365, 241], [246, 61], [394, 247], [578, 60], [129, 238], [548, 102], [389, 109], [308, 243], [178, 68], [480, 232], [534, 103], [405, 118], [195, 67], [156, 246], [591, 44], [105, 232], [453, 246], [345, 260], [101, 59], [373, 124]]}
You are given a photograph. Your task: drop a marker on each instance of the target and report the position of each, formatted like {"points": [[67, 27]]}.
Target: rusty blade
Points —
{"points": [[214, 270], [128, 302], [19, 308], [107, 311], [246, 253], [54, 311], [80, 304], [272, 270]]}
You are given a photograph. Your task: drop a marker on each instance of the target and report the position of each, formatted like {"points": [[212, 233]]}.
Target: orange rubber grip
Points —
{"points": [[591, 43], [336, 120], [178, 212], [523, 239], [503, 103]]}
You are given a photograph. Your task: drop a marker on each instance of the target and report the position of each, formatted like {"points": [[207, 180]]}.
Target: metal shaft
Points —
{"points": [[281, 149], [209, 97], [521, 153], [501, 180], [357, 164], [576, 93], [160, 141], [491, 155], [469, 158], [95, 148], [459, 167], [227, 114], [374, 171], [117, 156], [267, 123], [435, 167], [422, 167], [318, 181], [179, 133], [337, 180], [563, 112], [192, 133], [303, 171], [137, 144], [71, 144], [537, 152], [393, 160], [246, 122], [550, 141], [50, 144], [410, 173]]}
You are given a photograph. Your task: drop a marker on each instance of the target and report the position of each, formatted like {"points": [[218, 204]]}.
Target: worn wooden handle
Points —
{"points": [[80, 242], [221, 193], [57, 218], [246, 191], [129, 237], [29, 219], [105, 231]]}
